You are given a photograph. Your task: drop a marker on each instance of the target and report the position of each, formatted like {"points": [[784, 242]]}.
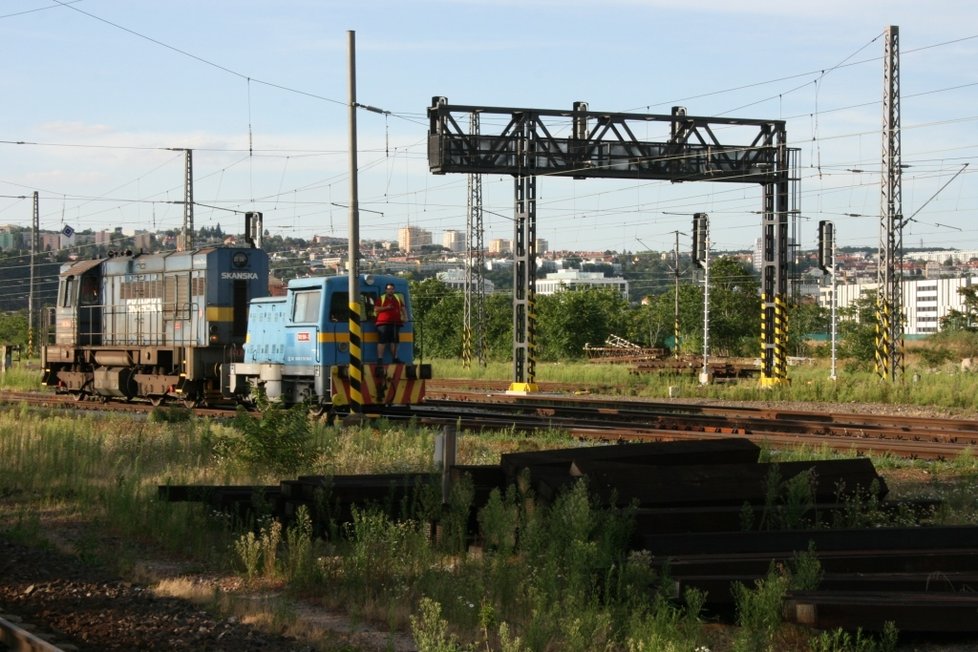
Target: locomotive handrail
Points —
{"points": [[136, 326]]}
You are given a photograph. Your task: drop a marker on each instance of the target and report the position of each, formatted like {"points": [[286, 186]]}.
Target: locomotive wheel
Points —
{"points": [[156, 401], [80, 396], [190, 403], [315, 409]]}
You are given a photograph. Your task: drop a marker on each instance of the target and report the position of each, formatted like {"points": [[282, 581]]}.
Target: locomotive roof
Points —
{"points": [[80, 267]]}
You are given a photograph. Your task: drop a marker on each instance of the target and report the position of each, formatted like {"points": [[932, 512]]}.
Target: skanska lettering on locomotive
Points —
{"points": [[199, 327], [158, 333]]}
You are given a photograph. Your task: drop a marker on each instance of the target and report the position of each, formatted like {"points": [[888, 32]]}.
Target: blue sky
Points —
{"points": [[99, 91]]}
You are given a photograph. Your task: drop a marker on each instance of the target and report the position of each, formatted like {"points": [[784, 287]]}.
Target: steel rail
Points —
{"points": [[637, 424], [16, 637]]}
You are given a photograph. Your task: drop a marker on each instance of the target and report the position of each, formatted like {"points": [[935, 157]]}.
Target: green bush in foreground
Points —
{"points": [[278, 441]]}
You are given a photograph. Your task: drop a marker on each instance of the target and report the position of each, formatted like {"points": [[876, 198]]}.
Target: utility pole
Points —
{"points": [[353, 252], [187, 236], [675, 326], [889, 275], [35, 227], [701, 256], [473, 334], [826, 262]]}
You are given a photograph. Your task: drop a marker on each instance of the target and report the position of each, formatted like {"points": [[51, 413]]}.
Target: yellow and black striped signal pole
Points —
{"points": [[356, 348], [356, 336]]}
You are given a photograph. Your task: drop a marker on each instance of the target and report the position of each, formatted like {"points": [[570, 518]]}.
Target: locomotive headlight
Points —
{"points": [[213, 333], [343, 347], [368, 279]]}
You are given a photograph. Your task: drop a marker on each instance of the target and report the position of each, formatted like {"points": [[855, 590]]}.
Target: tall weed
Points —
{"points": [[841, 641], [300, 561], [759, 612]]}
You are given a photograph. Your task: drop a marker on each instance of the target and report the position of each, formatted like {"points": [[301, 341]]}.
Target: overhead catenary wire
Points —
{"points": [[284, 191]]}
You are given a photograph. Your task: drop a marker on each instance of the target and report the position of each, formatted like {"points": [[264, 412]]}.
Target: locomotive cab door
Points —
{"points": [[87, 295], [336, 344]]}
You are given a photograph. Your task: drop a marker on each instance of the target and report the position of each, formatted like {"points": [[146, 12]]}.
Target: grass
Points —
{"points": [[545, 577], [942, 387], [22, 376]]}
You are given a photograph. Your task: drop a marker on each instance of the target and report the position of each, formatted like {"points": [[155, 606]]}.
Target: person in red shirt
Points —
{"points": [[388, 310]]}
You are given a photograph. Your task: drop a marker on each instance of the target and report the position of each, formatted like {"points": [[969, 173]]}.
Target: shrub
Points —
{"points": [[279, 440]]}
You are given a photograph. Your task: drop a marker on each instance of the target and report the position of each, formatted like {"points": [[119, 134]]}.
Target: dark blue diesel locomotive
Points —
{"points": [[298, 348], [157, 326]]}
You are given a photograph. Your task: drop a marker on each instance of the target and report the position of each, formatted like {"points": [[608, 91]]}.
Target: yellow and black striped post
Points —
{"points": [[675, 337], [466, 346], [356, 359], [884, 347], [780, 338], [765, 338], [531, 338]]}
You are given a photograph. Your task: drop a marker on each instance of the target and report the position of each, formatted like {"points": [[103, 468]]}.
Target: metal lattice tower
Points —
{"points": [[889, 316], [525, 260], [35, 229], [776, 206], [188, 202], [474, 328]]}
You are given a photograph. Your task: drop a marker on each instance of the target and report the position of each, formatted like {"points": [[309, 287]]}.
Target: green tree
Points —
{"points": [[439, 321], [654, 322], [438, 316], [569, 319], [857, 329], [13, 328], [734, 308], [649, 274], [967, 319], [804, 319], [499, 326]]}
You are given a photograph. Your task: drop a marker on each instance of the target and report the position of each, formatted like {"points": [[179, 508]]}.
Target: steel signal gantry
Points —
{"points": [[604, 145]]}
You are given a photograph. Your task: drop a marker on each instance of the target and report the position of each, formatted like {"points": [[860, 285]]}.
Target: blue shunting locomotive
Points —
{"points": [[298, 348]]}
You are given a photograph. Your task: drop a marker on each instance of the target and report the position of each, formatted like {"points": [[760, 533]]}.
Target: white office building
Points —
{"points": [[925, 301], [455, 279], [569, 279]]}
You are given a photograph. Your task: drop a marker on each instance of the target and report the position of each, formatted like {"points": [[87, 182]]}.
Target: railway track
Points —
{"points": [[15, 635], [63, 401], [477, 405], [617, 420]]}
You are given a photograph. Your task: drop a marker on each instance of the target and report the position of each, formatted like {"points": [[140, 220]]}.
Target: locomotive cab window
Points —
{"points": [[89, 291], [339, 309], [68, 298], [306, 308], [370, 304]]}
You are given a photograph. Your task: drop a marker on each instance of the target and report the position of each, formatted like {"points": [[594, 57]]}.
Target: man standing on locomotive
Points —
{"points": [[389, 310]]}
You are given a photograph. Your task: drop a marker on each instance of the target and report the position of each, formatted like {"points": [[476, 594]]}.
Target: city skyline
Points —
{"points": [[258, 93]]}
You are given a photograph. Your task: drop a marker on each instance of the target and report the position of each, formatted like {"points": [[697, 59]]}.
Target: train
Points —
{"points": [[199, 327], [299, 348]]}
